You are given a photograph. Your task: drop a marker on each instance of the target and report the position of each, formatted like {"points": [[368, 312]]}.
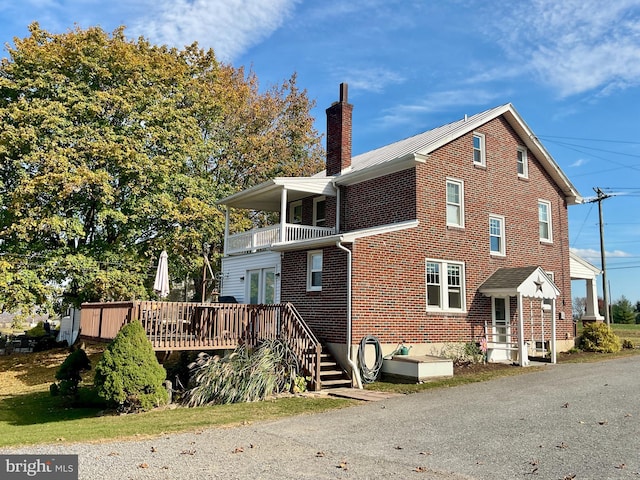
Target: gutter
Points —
{"points": [[354, 369]]}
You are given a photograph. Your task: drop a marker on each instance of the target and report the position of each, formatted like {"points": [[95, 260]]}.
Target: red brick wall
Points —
{"points": [[389, 270], [389, 199], [324, 311], [389, 298]]}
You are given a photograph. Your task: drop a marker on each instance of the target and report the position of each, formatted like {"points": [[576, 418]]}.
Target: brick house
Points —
{"points": [[454, 235]]}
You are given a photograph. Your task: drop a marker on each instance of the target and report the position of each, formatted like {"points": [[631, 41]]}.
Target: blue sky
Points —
{"points": [[571, 68]]}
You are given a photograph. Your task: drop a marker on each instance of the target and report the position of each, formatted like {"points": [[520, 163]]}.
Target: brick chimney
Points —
{"points": [[339, 134]]}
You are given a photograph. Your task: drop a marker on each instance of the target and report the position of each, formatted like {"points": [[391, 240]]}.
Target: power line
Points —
{"points": [[600, 196]]}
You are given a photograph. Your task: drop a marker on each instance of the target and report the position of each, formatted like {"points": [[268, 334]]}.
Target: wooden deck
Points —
{"points": [[174, 326]]}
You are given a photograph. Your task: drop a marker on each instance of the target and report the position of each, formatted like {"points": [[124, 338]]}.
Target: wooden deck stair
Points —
{"points": [[331, 374]]}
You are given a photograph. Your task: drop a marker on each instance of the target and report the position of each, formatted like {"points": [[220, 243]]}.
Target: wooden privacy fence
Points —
{"points": [[206, 326]]}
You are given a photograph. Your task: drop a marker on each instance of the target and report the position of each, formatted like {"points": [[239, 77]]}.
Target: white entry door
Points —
{"points": [[261, 286], [501, 329]]}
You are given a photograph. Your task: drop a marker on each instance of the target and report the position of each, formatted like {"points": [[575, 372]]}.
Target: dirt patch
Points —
{"points": [[473, 368]]}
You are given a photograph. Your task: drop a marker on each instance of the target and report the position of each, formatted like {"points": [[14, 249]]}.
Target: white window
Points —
{"points": [[295, 212], [544, 220], [314, 271], [455, 203], [523, 167], [445, 285], [496, 235], [319, 211], [479, 153], [548, 302]]}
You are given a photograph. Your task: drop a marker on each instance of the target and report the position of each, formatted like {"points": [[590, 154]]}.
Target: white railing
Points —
{"points": [[263, 238], [296, 232]]}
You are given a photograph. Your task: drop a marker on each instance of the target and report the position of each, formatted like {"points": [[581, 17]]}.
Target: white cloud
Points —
{"points": [[576, 46], [593, 256], [579, 162], [371, 79], [228, 26], [436, 102]]}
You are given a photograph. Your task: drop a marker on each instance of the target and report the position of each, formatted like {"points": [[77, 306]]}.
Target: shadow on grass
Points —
{"points": [[40, 408]]}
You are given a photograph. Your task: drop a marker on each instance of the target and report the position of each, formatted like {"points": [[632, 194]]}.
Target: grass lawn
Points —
{"points": [[30, 415]]}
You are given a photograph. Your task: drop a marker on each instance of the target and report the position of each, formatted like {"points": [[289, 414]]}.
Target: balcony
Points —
{"points": [[264, 238]]}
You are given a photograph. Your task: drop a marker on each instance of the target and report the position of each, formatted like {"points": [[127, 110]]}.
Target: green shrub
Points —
{"points": [[70, 373], [128, 375], [243, 376], [627, 344], [598, 337], [37, 331]]}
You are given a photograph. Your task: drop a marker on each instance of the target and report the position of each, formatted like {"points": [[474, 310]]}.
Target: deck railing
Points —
{"points": [[261, 238], [206, 326]]}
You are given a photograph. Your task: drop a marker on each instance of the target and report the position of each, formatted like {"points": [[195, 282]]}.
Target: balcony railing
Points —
{"points": [[175, 326], [263, 238]]}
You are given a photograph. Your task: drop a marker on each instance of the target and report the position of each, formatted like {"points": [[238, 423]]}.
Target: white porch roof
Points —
{"points": [[267, 196], [527, 281]]}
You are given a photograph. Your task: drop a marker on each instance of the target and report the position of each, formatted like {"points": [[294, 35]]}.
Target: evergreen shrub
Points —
{"points": [[128, 375], [599, 337], [70, 373]]}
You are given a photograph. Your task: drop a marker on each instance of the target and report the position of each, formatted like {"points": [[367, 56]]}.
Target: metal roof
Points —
{"points": [[427, 142], [398, 156]]}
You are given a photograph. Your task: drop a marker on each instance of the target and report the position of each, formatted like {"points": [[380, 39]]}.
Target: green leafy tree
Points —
{"points": [[128, 375], [623, 311], [112, 150]]}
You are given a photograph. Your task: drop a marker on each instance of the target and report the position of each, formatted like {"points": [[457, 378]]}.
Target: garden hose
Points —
{"points": [[369, 375]]}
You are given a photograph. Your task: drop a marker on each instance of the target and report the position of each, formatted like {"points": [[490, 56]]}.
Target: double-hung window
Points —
{"points": [[295, 212], [496, 235], [455, 203], [319, 211], [544, 220], [445, 285], [479, 151], [523, 167], [314, 271]]}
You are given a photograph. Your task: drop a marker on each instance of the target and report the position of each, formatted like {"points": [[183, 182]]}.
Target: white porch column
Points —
{"points": [[592, 301], [226, 230], [553, 330], [522, 351], [283, 215]]}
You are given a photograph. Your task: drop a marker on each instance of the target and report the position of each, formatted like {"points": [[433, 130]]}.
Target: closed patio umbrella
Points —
{"points": [[161, 284]]}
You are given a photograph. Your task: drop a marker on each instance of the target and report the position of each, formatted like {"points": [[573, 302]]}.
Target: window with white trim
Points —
{"points": [[319, 211], [295, 212], [479, 151], [544, 220], [314, 271], [548, 302], [455, 203], [445, 285], [523, 166], [496, 235]]}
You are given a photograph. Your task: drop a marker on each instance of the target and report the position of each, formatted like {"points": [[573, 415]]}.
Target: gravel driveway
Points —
{"points": [[567, 421]]}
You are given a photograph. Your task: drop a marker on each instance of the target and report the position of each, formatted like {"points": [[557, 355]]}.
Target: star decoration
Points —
{"points": [[538, 285]]}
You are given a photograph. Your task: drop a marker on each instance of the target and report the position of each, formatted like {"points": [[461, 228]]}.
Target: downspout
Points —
{"points": [[354, 369]]}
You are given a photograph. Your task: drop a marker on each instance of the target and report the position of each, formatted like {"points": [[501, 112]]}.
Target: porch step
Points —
{"points": [[331, 374]]}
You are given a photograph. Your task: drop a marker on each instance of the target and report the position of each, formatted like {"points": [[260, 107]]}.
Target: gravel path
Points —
{"points": [[567, 421]]}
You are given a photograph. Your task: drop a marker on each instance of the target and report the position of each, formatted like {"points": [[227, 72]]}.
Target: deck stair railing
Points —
{"points": [[174, 326]]}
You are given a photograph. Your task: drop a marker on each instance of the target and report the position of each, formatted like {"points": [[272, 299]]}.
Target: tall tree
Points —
{"points": [[623, 311], [112, 150]]}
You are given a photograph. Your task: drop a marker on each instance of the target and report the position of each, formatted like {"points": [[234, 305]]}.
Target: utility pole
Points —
{"points": [[605, 290]]}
